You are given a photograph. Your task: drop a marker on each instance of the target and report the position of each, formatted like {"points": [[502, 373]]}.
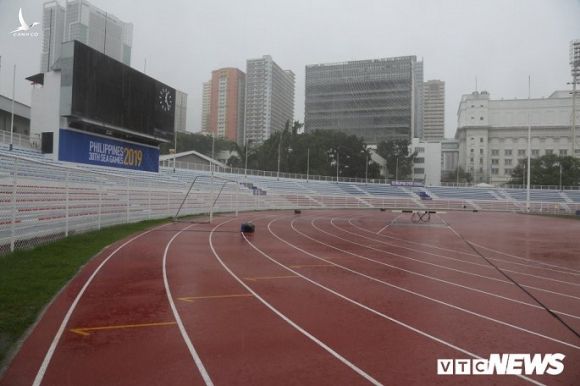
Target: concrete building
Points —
{"points": [[377, 99], [21, 120], [427, 163], [88, 24], [269, 99], [53, 16], [226, 111], [433, 111], [180, 111], [493, 134], [205, 106], [449, 159]]}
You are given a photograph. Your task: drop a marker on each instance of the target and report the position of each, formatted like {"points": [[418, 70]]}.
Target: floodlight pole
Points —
{"points": [[12, 109], [529, 146]]}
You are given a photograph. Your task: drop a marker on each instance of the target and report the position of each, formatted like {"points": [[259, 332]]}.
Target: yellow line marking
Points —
{"points": [[270, 277], [192, 298], [311, 265], [84, 331]]}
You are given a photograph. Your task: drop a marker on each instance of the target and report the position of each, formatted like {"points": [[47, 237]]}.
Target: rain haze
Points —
{"points": [[498, 42]]}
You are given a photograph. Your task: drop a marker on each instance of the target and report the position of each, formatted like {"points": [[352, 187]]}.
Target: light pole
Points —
{"points": [[529, 146], [560, 176], [12, 112], [397, 170], [367, 170], [246, 157], [279, 149], [307, 164], [337, 165]]}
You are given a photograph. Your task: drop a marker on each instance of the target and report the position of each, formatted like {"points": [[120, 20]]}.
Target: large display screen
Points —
{"points": [[110, 92]]}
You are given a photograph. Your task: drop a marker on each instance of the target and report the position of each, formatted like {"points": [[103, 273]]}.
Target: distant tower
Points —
{"points": [[226, 113], [89, 25], [434, 111], [269, 99], [53, 34], [205, 106]]}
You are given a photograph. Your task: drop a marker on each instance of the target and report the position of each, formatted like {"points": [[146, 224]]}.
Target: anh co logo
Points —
{"points": [[24, 29], [504, 364]]}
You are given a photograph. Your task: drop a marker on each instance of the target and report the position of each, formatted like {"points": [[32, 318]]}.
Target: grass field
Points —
{"points": [[29, 279]]}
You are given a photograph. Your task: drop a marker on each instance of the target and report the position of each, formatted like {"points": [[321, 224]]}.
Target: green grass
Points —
{"points": [[29, 279]]}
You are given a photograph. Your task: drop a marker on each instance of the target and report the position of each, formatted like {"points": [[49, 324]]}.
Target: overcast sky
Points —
{"points": [[498, 41]]}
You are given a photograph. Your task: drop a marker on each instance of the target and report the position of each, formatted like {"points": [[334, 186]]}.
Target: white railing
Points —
{"points": [[29, 142], [41, 202]]}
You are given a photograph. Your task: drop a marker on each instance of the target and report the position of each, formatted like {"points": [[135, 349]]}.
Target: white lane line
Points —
{"points": [[575, 272], [533, 305], [536, 264], [367, 308], [288, 320], [445, 267], [48, 356], [485, 266], [389, 224], [489, 318], [203, 372]]}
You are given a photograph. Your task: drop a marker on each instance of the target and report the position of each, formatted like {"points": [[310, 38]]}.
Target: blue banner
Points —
{"points": [[90, 149]]}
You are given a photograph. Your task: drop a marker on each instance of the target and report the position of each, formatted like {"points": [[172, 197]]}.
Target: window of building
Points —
{"points": [[419, 171], [495, 152], [495, 161], [481, 140], [480, 151], [535, 152], [472, 150], [494, 171], [507, 161], [420, 160], [563, 152], [508, 152], [549, 151], [471, 160], [508, 172], [481, 118], [521, 152]]}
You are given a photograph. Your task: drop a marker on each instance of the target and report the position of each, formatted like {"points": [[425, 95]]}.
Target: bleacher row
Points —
{"points": [[180, 178]]}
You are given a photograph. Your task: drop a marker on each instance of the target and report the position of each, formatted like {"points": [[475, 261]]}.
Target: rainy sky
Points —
{"points": [[499, 42]]}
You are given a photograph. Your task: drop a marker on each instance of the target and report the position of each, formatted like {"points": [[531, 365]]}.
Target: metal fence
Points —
{"points": [[41, 202]]}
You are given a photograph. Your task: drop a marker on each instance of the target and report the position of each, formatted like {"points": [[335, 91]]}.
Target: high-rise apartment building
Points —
{"points": [[226, 113], [376, 99], [53, 34], [88, 24], [269, 99], [434, 111], [180, 111], [205, 106]]}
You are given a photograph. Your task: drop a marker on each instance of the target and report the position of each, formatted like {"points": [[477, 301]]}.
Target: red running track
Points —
{"points": [[321, 298]]}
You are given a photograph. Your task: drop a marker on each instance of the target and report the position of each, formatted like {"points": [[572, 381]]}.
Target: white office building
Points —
{"points": [[82, 21], [493, 134], [269, 99], [427, 163]]}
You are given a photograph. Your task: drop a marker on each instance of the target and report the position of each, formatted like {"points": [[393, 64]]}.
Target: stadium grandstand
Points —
{"points": [[46, 199]]}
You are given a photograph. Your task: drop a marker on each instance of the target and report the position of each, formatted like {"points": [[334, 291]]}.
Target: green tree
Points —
{"points": [[399, 161], [545, 170]]}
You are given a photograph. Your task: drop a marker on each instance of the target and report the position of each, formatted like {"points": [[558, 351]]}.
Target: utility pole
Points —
{"points": [[529, 145]]}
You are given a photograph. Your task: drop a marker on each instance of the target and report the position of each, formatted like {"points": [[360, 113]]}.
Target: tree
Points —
{"points": [[399, 161], [545, 170]]}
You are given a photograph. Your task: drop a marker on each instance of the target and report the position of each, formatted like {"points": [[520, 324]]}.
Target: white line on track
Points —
{"points": [[48, 356], [485, 266], [389, 224], [535, 264], [285, 318], [446, 267], [203, 372], [367, 308], [476, 314], [533, 305]]}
